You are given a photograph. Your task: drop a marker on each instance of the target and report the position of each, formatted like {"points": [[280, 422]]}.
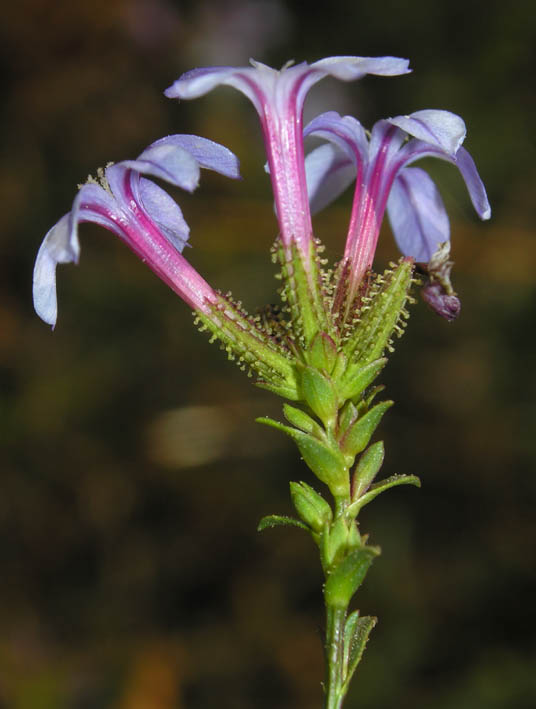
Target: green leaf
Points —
{"points": [[283, 390], [310, 505], [356, 635], [322, 353], [358, 377], [347, 416], [371, 395], [280, 521], [358, 435], [346, 578], [334, 543], [276, 424], [326, 462], [300, 419], [367, 468], [380, 487], [318, 392]]}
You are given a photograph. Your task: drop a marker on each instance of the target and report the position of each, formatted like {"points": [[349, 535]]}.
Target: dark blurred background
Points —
{"points": [[132, 474]]}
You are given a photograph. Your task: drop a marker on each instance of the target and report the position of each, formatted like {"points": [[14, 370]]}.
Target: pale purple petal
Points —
{"points": [[210, 155], [60, 245], [345, 131], [168, 162], [443, 129], [165, 212], [329, 172], [198, 82], [466, 165], [278, 97], [350, 68], [94, 204], [416, 149], [259, 81], [270, 90], [417, 214]]}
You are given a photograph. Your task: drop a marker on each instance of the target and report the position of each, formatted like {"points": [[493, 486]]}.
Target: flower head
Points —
{"points": [[379, 166], [141, 213], [278, 97]]}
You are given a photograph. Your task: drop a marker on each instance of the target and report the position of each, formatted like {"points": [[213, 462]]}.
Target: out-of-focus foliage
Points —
{"points": [[132, 475]]}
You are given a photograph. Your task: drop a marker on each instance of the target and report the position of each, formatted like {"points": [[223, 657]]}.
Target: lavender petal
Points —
{"points": [[443, 129], [59, 246], [210, 155], [417, 214]]}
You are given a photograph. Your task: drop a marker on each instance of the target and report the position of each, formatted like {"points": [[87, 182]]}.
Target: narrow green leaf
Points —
{"points": [[358, 435], [356, 634], [346, 578], [380, 487], [322, 353], [358, 377], [280, 521], [371, 395], [318, 392], [276, 424], [367, 468], [348, 415], [283, 390], [300, 419], [310, 505], [326, 462]]}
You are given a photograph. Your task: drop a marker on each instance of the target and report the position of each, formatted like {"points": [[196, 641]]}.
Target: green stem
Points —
{"points": [[334, 689]]}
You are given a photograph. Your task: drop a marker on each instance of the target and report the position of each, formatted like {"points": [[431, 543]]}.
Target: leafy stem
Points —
{"points": [[332, 420]]}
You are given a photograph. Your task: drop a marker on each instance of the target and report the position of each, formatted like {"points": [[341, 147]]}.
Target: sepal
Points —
{"points": [[250, 346], [381, 315], [280, 521], [302, 292]]}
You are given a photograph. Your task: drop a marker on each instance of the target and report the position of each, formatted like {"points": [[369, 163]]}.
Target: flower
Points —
{"points": [[379, 166], [142, 214], [278, 97]]}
